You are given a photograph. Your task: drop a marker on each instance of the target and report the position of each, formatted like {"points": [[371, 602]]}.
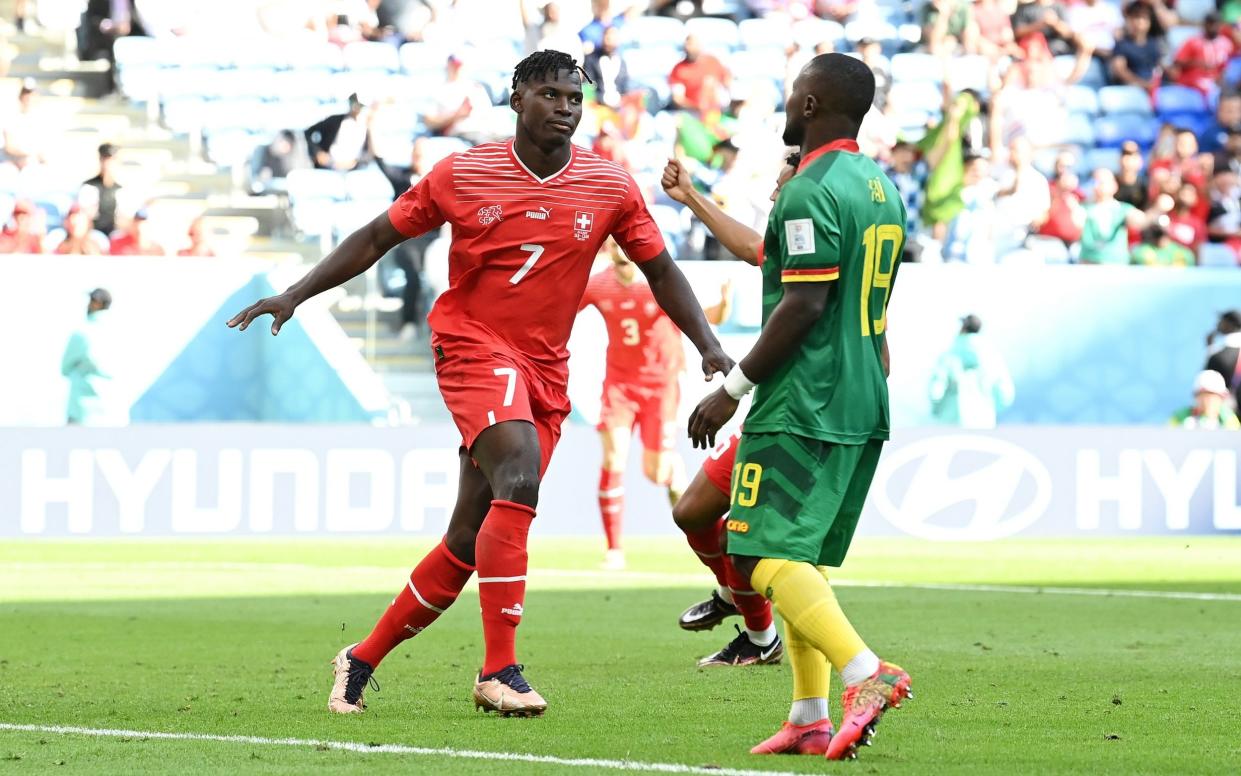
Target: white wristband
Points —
{"points": [[736, 384]]}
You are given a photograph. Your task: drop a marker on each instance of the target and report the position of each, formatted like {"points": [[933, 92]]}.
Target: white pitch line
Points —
{"points": [[687, 579], [351, 746]]}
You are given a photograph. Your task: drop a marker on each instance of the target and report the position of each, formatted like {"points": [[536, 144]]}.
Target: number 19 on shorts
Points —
{"points": [[746, 478]]}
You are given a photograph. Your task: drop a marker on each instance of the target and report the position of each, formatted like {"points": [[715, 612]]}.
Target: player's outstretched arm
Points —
{"points": [[738, 238], [677, 299], [797, 311], [355, 254]]}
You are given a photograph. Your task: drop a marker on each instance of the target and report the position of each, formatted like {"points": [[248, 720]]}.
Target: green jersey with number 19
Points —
{"points": [[839, 220]]}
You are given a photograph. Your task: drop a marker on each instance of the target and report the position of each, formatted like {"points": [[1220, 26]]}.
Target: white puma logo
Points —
{"points": [[515, 610]]}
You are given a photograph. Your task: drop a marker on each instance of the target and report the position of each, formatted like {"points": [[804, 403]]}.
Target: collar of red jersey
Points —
{"points": [[844, 144]]}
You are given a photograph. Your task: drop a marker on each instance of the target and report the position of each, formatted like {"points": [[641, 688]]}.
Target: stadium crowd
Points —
{"points": [[1043, 131]]}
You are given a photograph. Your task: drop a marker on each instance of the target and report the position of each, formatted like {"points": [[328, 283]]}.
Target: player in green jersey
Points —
{"points": [[820, 413]]}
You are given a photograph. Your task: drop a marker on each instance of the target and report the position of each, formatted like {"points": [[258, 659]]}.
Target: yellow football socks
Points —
{"points": [[811, 674], [806, 602]]}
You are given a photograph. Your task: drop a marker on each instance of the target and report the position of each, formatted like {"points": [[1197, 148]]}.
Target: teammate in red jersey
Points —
{"points": [[641, 386], [528, 217], [700, 512]]}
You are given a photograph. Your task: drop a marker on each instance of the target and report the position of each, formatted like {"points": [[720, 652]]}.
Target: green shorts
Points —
{"points": [[798, 498]]}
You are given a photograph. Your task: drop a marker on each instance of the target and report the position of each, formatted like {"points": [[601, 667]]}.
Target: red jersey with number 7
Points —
{"points": [[523, 246], [644, 345]]}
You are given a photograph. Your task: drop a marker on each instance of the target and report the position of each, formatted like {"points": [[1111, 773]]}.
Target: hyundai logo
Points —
{"points": [[962, 488]]}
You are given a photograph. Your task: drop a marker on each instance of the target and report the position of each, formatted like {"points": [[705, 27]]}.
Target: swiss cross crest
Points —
{"points": [[489, 214], [582, 222]]}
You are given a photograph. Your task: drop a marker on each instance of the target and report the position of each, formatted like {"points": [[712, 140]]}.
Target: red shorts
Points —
{"points": [[652, 407], [484, 387], [719, 465]]}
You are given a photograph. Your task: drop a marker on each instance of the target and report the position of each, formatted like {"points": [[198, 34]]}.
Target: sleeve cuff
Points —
{"points": [[810, 275]]}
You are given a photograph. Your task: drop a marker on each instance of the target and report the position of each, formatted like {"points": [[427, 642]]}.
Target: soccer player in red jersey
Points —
{"points": [[700, 513], [641, 387], [528, 217]]}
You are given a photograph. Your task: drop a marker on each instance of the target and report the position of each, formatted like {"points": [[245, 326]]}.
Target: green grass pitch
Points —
{"points": [[234, 638]]}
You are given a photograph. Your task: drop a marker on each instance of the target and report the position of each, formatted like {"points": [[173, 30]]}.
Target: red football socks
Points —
{"points": [[501, 554], [612, 505], [433, 585], [755, 609], [710, 549]]}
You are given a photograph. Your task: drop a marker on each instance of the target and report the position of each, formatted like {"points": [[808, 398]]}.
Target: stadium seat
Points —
{"points": [[1082, 99], [809, 33], [316, 184], [1113, 130], [969, 72], [765, 33], [1174, 99], [1051, 250], [759, 91], [1232, 72], [922, 96], [1094, 77], [424, 59], [714, 34], [914, 66], [1217, 255], [649, 63], [1124, 99], [752, 63], [1101, 159], [653, 31], [371, 57], [367, 184], [137, 51], [1177, 36], [1194, 11], [316, 58], [1078, 129], [874, 28]]}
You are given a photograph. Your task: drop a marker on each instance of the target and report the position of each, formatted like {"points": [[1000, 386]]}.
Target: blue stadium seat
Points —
{"points": [[1175, 98], [1078, 129], [651, 63], [371, 57], [1102, 159], [809, 33], [1232, 73], [1051, 250], [1198, 123], [875, 28], [306, 185], [654, 31], [1124, 99], [424, 59], [316, 58], [914, 66], [1177, 36], [367, 184], [714, 34], [1194, 11], [1082, 99], [750, 63], [1216, 255], [765, 33], [909, 95], [1113, 130]]}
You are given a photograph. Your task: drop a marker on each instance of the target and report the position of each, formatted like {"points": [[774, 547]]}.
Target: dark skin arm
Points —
{"points": [[355, 254], [796, 313], [677, 299]]}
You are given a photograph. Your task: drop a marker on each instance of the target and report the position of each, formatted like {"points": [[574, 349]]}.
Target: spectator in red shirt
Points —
{"points": [[699, 80], [136, 240], [79, 238], [25, 234], [198, 241], [1201, 61], [1066, 217], [1185, 226]]}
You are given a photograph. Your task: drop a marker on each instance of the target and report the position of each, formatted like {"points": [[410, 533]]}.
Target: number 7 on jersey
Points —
{"points": [[535, 252]]}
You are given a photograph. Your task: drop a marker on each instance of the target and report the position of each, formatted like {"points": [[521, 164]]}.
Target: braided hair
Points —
{"points": [[540, 63], [793, 160]]}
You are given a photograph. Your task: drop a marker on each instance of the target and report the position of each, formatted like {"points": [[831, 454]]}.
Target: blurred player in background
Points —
{"points": [[816, 427], [700, 513], [528, 217], [641, 387]]}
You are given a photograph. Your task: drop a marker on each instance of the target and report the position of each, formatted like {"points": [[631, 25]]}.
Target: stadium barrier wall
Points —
{"points": [[174, 359], [250, 480], [1084, 344]]}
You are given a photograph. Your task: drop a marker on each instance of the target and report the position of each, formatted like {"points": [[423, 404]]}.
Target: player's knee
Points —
{"points": [[519, 485], [460, 541], [686, 517], [744, 564]]}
